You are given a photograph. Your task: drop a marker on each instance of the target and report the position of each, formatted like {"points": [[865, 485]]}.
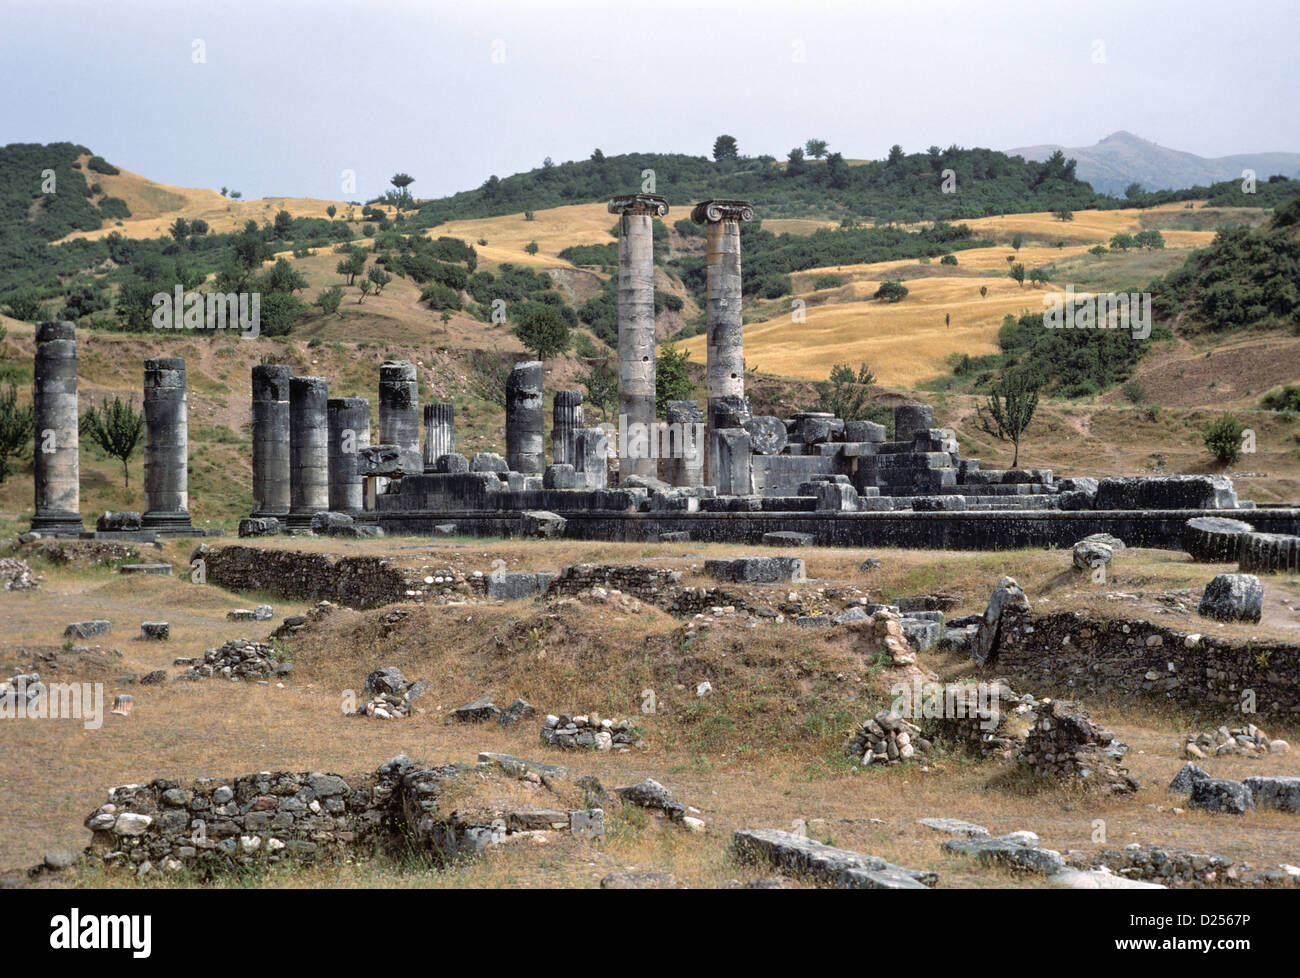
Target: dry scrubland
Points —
{"points": [[763, 750]]}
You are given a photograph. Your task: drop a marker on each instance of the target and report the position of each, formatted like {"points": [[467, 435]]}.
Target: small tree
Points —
{"points": [[1038, 276], [816, 148], [891, 292], [365, 286], [330, 299], [283, 221], [446, 318], [1017, 241], [725, 148], [1223, 439], [1018, 273], [353, 265], [846, 393], [116, 428], [378, 278], [531, 248], [542, 330], [17, 422], [1008, 412], [1063, 214], [24, 304], [672, 377], [331, 211], [601, 382], [180, 229], [984, 290]]}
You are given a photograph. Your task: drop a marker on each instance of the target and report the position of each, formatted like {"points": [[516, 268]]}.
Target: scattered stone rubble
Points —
{"points": [[887, 739], [1065, 744], [1277, 793], [588, 730], [237, 659], [1245, 741], [16, 575], [391, 696]]}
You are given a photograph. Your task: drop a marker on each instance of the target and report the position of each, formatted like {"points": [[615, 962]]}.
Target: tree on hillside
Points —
{"points": [[1223, 438], [1008, 412], [1018, 273], [891, 292], [331, 211], [17, 422], [601, 383], [895, 154], [672, 378], [179, 230], [378, 278], [283, 277], [364, 286], [725, 148], [542, 330], [402, 197], [816, 148], [1121, 241], [1133, 190], [283, 222], [795, 166], [116, 428], [531, 248], [198, 227], [1038, 276], [1017, 241], [846, 394], [330, 299], [1063, 213], [24, 304], [352, 265]]}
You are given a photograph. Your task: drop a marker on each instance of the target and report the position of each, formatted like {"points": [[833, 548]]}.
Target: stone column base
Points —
{"points": [[58, 523]]}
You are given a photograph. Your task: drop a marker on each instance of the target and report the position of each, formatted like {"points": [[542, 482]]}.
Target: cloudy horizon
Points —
{"points": [[280, 99]]}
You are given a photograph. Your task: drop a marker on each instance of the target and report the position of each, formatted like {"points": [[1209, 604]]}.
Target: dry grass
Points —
{"points": [[763, 751]]}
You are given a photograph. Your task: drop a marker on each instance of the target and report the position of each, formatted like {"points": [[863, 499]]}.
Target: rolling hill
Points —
{"points": [[1121, 159]]}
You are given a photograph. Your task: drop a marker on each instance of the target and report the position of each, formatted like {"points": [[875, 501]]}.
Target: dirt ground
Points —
{"points": [[764, 750]]}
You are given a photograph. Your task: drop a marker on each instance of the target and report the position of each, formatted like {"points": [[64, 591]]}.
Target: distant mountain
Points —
{"points": [[1123, 158]]}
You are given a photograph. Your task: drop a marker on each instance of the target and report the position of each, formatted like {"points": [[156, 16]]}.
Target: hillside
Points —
{"points": [[1120, 159]]}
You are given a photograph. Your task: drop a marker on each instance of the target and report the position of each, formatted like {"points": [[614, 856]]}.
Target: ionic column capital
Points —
{"points": [[641, 204], [715, 211]]}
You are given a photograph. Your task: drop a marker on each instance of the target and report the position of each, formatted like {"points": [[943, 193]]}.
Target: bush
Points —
{"points": [[1134, 391], [101, 165], [891, 292], [1283, 399], [1223, 439], [440, 296], [827, 282], [948, 260]]}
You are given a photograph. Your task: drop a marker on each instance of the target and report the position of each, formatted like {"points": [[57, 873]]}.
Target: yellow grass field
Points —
{"points": [[904, 342]]}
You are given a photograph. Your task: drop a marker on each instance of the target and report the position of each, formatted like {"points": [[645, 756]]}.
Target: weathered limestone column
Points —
{"points": [[566, 420], [636, 327], [525, 419], [271, 439], [684, 464], [439, 433], [54, 397], [309, 483], [166, 445], [348, 420], [399, 405], [725, 346], [591, 448]]}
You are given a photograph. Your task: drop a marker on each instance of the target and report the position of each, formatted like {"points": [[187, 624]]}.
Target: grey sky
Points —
{"points": [[293, 93]]}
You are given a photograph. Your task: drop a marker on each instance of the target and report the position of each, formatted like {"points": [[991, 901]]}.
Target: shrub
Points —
{"points": [[891, 292], [1223, 439], [1134, 391], [101, 165], [827, 282], [948, 260]]}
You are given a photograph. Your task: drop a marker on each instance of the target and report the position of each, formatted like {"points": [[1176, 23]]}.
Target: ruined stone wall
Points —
{"points": [[1066, 651], [929, 530], [359, 582]]}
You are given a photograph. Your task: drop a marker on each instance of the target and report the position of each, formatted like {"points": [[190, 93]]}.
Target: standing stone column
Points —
{"points": [[439, 433], [636, 328], [525, 419], [54, 397], [684, 465], [166, 445], [271, 439], [567, 419], [348, 421], [725, 367], [309, 483], [399, 405]]}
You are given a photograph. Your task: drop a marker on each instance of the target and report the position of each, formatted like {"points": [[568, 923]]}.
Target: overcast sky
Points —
{"points": [[278, 98]]}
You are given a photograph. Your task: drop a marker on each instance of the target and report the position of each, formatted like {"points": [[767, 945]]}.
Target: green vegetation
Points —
{"points": [[1223, 439], [116, 428], [672, 377], [846, 394], [1008, 412], [17, 422]]}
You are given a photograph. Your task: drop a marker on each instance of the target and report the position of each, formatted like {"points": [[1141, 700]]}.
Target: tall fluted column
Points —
{"points": [[725, 367], [439, 433], [636, 328], [525, 419], [399, 405], [271, 439], [309, 483], [166, 445], [54, 397], [566, 421], [349, 432]]}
